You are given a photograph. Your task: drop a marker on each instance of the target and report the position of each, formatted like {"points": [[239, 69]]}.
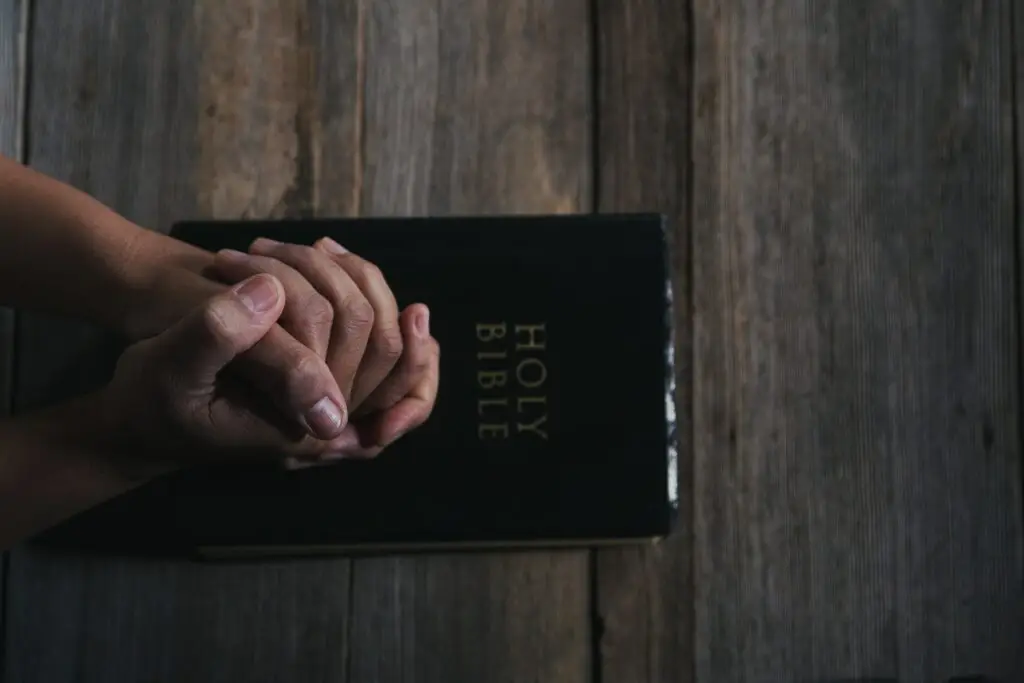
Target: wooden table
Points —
{"points": [[843, 180]]}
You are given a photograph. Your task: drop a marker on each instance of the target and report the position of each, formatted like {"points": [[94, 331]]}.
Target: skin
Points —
{"points": [[288, 353]]}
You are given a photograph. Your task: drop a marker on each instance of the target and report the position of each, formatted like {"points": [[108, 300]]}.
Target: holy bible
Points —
{"points": [[554, 422]]}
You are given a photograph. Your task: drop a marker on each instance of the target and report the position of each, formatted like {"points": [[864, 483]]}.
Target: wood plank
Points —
{"points": [[12, 67], [166, 111], [472, 107], [857, 468], [275, 108], [12, 71], [645, 595]]}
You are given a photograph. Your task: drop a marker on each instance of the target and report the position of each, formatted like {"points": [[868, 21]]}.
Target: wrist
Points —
{"points": [[58, 462], [80, 442], [110, 438], [165, 278]]}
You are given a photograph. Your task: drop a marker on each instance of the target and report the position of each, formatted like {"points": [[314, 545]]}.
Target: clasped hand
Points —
{"points": [[301, 353]]}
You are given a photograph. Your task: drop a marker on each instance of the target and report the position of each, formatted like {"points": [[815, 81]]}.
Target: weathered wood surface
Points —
{"points": [[856, 365], [11, 72], [265, 108], [841, 180], [12, 65]]}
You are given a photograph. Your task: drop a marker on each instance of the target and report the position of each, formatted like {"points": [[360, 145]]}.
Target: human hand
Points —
{"points": [[286, 369], [340, 307], [171, 400]]}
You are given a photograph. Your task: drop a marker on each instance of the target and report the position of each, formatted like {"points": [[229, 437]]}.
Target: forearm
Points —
{"points": [[61, 251], [56, 463]]}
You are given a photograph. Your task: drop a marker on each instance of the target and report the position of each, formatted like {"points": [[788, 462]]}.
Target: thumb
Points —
{"points": [[202, 343]]}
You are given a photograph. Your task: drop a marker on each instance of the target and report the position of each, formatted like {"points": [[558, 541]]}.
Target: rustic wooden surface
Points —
{"points": [[266, 108], [856, 397], [12, 66], [11, 71], [841, 180]]}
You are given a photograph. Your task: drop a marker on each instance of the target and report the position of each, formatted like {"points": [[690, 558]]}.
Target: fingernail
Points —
{"points": [[258, 294], [324, 419], [232, 255], [296, 464], [332, 246], [422, 323], [335, 455], [264, 242]]}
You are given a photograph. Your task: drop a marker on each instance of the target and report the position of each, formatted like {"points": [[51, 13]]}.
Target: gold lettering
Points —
{"points": [[493, 431], [534, 427], [530, 400], [541, 370], [490, 332], [483, 404], [522, 406], [496, 355], [531, 343], [492, 379]]}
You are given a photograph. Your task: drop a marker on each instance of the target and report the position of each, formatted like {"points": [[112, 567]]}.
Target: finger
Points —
{"points": [[308, 315], [412, 408], [240, 411], [286, 367], [405, 400], [230, 323], [347, 447], [400, 419], [298, 382], [354, 314], [368, 437], [413, 366], [382, 429], [385, 345], [410, 412]]}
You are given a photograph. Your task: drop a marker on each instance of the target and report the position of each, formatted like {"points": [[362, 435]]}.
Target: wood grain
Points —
{"points": [[474, 107], [121, 107], [645, 595], [288, 107], [12, 65], [12, 69], [856, 364]]}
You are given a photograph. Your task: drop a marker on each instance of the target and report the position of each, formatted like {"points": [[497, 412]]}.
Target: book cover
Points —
{"points": [[575, 444]]}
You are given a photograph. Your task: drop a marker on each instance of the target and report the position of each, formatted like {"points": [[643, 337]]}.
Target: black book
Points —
{"points": [[572, 313]]}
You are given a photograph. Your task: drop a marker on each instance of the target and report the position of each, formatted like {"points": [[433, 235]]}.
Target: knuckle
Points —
{"points": [[358, 314], [369, 272], [214, 323], [422, 364], [421, 418], [303, 377], [302, 255], [389, 344], [317, 311], [298, 256], [428, 410]]}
